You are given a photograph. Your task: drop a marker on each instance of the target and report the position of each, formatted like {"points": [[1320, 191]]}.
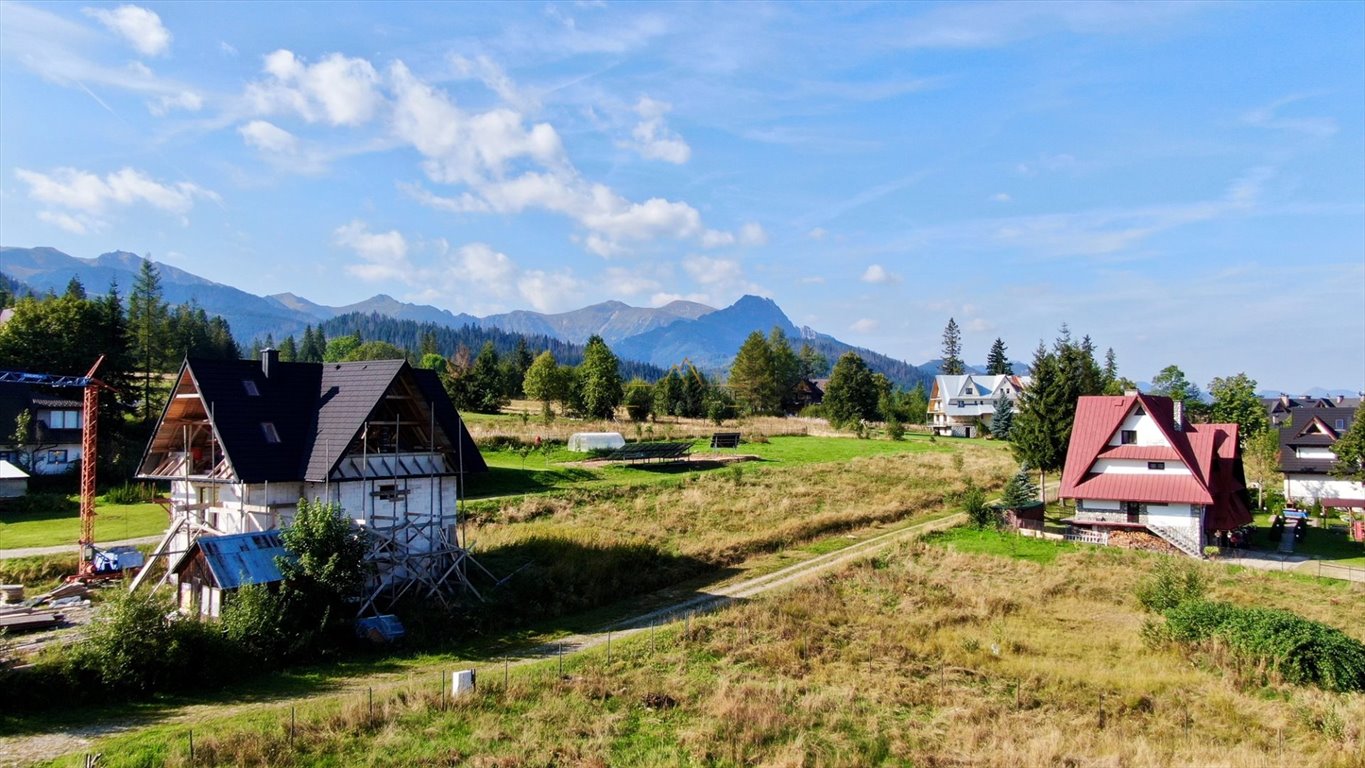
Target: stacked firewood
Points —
{"points": [[1142, 540]]}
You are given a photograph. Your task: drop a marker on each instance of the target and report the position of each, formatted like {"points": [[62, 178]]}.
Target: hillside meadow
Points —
{"points": [[932, 653]]}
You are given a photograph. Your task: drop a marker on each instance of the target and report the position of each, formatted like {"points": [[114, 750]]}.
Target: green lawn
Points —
{"points": [[61, 524], [540, 471], [993, 542], [1331, 543]]}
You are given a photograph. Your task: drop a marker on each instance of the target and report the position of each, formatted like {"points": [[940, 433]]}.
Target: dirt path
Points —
{"points": [[30, 748], [61, 549]]}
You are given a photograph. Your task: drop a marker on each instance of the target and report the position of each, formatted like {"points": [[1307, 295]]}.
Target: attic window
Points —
{"points": [[271, 436], [1139, 412], [1341, 424], [250, 387], [1156, 466], [1128, 437]]}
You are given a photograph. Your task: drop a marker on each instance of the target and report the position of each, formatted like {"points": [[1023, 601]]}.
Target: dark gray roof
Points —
{"points": [[16, 397], [1299, 434], [316, 408]]}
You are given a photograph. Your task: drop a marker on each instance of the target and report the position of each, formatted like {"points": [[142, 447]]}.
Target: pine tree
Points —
{"points": [[1110, 374], [1020, 492], [147, 321], [1042, 425], [484, 386], [952, 350], [1002, 420], [998, 361], [74, 288], [753, 379], [289, 350], [668, 394], [786, 370], [813, 364], [695, 392], [599, 379]]}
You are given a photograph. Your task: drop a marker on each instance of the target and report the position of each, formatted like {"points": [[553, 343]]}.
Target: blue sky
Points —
{"points": [[1181, 181]]}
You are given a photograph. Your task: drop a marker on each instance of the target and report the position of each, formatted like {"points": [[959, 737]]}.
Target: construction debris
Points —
{"points": [[21, 621], [11, 593]]}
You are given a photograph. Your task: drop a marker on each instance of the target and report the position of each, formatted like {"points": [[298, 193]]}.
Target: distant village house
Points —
{"points": [[962, 406]]}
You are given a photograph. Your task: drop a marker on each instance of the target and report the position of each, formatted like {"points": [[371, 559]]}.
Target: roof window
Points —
{"points": [[250, 387], [271, 435]]}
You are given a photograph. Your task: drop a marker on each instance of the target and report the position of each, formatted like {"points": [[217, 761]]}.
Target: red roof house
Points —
{"points": [[1135, 463]]}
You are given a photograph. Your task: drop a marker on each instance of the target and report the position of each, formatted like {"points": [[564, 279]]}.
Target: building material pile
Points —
{"points": [[1141, 540]]}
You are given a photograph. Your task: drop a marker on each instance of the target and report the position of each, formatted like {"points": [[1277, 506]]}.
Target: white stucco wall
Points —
{"points": [[1139, 467], [1176, 515], [1146, 428], [1310, 488]]}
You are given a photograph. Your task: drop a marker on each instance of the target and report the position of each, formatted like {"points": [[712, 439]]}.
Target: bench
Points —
{"points": [[725, 440]]}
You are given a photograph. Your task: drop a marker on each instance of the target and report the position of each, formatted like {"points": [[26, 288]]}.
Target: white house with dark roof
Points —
{"points": [[1307, 459], [241, 442], [962, 406], [53, 444]]}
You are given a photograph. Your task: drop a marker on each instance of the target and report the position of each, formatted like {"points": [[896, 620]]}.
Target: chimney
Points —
{"points": [[1340, 399], [270, 358], [1178, 409], [1130, 393]]}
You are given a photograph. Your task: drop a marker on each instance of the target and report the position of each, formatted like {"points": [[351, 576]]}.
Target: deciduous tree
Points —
{"points": [[753, 378], [1235, 402], [852, 392], [1350, 449], [599, 379]]}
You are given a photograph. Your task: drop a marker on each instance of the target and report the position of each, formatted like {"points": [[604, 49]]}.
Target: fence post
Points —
{"points": [[609, 647], [505, 664], [192, 747], [292, 722], [561, 658]]}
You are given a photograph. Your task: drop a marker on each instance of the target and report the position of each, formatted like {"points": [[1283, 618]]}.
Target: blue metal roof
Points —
{"points": [[243, 558]]}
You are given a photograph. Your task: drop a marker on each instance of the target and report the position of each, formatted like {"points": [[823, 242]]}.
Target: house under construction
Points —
{"points": [[241, 442]]}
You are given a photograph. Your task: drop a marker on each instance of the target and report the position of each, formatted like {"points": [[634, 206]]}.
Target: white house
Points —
{"points": [[1307, 460], [1136, 464], [242, 442], [962, 406], [53, 443]]}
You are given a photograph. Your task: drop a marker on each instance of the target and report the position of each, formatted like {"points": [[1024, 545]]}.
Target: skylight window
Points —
{"points": [[250, 387], [271, 435]]}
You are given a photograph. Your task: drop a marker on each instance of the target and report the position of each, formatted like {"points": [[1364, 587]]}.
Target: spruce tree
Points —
{"points": [[1042, 426], [786, 370], [753, 379], [1110, 374], [952, 350], [147, 323], [1002, 420], [289, 351], [998, 361], [1020, 491]]}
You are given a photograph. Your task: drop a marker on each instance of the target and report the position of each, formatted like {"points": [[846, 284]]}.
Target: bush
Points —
{"points": [[1295, 649], [895, 429], [45, 504], [130, 493], [1170, 583], [978, 511]]}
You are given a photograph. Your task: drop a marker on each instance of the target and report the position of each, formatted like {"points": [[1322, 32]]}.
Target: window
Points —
{"points": [[1341, 424], [1156, 465], [1139, 412], [1128, 437], [57, 456], [60, 419], [250, 387], [271, 436]]}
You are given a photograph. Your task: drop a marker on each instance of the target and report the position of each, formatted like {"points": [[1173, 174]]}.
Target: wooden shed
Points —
{"points": [[216, 566]]}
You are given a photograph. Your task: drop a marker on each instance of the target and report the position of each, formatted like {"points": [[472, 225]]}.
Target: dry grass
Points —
{"points": [[919, 656], [722, 517]]}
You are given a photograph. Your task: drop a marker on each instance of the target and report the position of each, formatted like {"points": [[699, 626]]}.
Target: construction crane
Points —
{"points": [[91, 387]]}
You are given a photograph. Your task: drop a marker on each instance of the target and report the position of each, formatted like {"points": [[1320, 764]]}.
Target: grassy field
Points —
{"points": [[942, 653], [558, 469], [62, 524]]}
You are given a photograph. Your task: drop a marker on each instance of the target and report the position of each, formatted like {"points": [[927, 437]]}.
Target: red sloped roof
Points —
{"points": [[1139, 452], [1148, 488], [1097, 418]]}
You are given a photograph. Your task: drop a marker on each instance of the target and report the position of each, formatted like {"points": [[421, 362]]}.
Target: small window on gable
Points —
{"points": [[1156, 465], [271, 436], [1138, 411], [1128, 437], [250, 387]]}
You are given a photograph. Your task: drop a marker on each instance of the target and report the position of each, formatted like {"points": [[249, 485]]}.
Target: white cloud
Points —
{"points": [[662, 298], [481, 264], [337, 89], [652, 137], [549, 291], [140, 27], [877, 274], [189, 101], [751, 233], [813, 280], [817, 234], [723, 279], [88, 193], [1001, 197], [979, 325], [384, 255], [864, 325], [486, 71], [268, 137], [66, 221], [1268, 116], [226, 48], [628, 282]]}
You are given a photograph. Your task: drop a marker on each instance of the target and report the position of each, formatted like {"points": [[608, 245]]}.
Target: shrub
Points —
{"points": [[1170, 583], [981, 514], [1295, 649], [895, 429], [130, 493]]}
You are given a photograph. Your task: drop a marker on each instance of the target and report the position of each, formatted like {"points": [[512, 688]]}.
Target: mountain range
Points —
{"points": [[663, 336]]}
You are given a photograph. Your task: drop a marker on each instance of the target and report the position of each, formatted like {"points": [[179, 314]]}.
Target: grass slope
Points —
{"points": [[61, 524], [927, 654]]}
